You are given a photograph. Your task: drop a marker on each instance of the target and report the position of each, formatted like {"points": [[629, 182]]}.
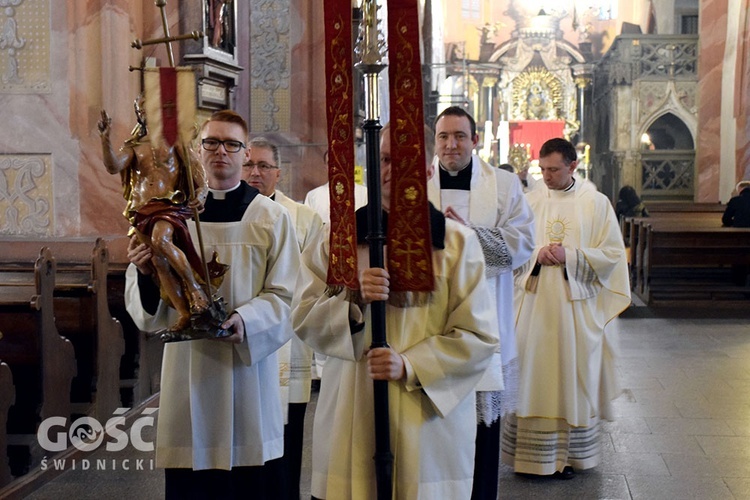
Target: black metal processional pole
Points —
{"points": [[370, 66]]}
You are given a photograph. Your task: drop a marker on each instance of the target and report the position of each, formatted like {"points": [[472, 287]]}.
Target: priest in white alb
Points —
{"points": [[490, 201]]}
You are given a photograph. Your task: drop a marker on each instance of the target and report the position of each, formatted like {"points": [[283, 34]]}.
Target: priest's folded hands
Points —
{"points": [[551, 255]]}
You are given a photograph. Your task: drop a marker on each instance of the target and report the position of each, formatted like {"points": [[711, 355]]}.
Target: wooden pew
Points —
{"points": [[7, 399], [684, 265], [82, 315], [141, 369], [699, 214], [639, 229], [42, 362], [707, 212], [655, 207]]}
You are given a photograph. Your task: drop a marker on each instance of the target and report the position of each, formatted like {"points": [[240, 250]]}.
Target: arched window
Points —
{"points": [[668, 132]]}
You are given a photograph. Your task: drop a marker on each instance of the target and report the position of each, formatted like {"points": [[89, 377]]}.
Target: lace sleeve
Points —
{"points": [[497, 256]]}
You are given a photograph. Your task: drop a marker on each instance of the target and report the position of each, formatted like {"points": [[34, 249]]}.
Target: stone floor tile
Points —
{"points": [[740, 487], [686, 465], [671, 488], [586, 485], [714, 410], [731, 466], [740, 426], [627, 425], [635, 381], [651, 409], [738, 446], [656, 443], [689, 426], [633, 463]]}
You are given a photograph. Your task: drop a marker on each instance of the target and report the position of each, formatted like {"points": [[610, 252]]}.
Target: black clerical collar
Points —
{"points": [[456, 180], [232, 207], [573, 183], [437, 225]]}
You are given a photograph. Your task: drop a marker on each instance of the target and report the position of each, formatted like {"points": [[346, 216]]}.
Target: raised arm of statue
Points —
{"points": [[113, 162]]}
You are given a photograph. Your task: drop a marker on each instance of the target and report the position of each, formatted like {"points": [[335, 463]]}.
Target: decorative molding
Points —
{"points": [[24, 46], [651, 96], [270, 67], [668, 174], [217, 81], [26, 195]]}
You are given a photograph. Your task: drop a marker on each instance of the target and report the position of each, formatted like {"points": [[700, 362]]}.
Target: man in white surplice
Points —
{"points": [[220, 427], [437, 352], [319, 199], [491, 202], [573, 287], [263, 171]]}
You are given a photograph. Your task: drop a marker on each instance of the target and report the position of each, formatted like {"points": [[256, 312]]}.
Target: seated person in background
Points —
{"points": [[629, 204], [737, 213]]}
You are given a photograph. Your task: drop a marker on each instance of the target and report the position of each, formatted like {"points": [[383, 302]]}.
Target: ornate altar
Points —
{"points": [[540, 80]]}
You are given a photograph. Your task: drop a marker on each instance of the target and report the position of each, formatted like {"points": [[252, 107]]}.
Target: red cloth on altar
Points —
{"points": [[536, 133]]}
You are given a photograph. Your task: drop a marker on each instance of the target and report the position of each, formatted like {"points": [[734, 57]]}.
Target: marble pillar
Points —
{"points": [[308, 96], [713, 32], [742, 94]]}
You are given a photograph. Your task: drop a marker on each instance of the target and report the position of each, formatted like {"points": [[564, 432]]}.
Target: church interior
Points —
{"points": [[654, 94]]}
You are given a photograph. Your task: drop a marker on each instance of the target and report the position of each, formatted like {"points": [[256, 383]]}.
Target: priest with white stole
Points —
{"points": [[220, 427], [568, 295], [490, 201], [440, 344]]}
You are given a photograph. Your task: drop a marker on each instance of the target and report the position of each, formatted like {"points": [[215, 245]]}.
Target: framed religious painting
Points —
{"points": [[220, 27]]}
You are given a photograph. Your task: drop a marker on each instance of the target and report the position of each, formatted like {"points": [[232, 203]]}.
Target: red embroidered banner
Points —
{"points": [[168, 84], [342, 264], [409, 239]]}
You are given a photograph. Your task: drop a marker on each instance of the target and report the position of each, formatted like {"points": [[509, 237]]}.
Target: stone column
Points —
{"points": [[582, 84], [721, 140]]}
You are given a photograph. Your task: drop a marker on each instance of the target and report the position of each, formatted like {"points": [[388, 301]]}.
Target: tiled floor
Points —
{"points": [[682, 428]]}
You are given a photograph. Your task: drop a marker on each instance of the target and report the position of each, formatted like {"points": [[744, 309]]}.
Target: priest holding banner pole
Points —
{"points": [[432, 294]]}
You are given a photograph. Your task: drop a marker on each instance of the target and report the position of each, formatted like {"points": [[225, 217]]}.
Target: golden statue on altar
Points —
{"points": [[518, 156]]}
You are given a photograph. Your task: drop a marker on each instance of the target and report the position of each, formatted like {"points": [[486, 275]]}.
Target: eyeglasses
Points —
{"points": [[262, 166], [229, 146]]}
